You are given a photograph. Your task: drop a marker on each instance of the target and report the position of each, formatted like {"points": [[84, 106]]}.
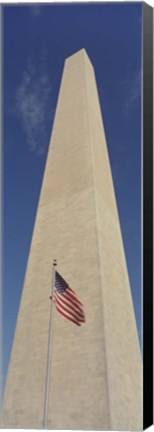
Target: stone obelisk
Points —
{"points": [[96, 373]]}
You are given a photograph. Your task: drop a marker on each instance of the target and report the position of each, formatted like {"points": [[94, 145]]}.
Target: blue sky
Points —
{"points": [[36, 40]]}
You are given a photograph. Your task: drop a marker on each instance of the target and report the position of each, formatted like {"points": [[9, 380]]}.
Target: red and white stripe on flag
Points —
{"points": [[69, 305]]}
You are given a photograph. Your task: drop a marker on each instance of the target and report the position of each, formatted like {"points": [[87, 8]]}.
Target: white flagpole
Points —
{"points": [[50, 337]]}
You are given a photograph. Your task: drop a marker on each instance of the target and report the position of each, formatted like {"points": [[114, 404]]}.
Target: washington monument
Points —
{"points": [[96, 369]]}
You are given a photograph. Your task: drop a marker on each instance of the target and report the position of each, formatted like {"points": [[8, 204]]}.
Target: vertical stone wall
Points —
{"points": [[96, 368]]}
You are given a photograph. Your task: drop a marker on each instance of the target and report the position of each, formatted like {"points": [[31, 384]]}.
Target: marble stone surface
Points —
{"points": [[96, 374]]}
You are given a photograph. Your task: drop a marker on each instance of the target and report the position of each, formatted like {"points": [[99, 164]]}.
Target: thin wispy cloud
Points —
{"points": [[33, 104], [134, 93]]}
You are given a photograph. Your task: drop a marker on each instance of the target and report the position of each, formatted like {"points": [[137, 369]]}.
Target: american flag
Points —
{"points": [[66, 301]]}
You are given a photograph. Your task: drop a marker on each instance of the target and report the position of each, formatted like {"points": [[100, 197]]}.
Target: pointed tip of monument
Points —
{"points": [[82, 50], [82, 53]]}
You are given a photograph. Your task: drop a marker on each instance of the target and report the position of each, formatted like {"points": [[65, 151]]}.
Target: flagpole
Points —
{"points": [[49, 354]]}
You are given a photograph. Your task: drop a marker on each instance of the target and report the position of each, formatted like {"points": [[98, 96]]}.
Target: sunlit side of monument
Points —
{"points": [[96, 374]]}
